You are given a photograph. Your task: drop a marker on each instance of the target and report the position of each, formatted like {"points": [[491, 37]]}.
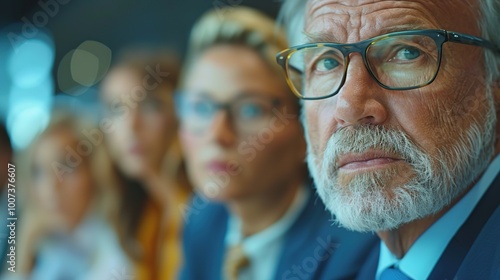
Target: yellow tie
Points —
{"points": [[234, 262]]}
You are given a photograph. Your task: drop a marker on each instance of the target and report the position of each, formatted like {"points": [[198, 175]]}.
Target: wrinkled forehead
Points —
{"points": [[355, 20]]}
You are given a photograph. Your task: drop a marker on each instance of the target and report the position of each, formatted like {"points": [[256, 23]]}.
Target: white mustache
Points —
{"points": [[362, 138]]}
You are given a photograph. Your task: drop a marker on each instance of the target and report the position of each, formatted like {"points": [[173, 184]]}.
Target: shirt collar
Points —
{"points": [[255, 244], [428, 248]]}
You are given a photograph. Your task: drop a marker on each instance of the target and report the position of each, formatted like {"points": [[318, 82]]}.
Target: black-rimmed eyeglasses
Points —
{"points": [[397, 61]]}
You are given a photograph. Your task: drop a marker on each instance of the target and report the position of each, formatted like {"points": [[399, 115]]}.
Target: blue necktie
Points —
{"points": [[393, 273]]}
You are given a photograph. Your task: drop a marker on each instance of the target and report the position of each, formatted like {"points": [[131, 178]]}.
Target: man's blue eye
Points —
{"points": [[250, 111], [408, 53], [326, 64]]}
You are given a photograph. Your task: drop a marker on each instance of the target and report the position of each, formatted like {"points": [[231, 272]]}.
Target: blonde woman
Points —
{"points": [[65, 232], [138, 96], [257, 215]]}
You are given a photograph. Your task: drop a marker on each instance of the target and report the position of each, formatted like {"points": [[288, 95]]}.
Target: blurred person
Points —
{"points": [[401, 102], [5, 156], [65, 232], [5, 160], [138, 95], [256, 215]]}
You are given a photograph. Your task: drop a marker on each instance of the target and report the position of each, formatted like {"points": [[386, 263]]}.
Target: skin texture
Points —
{"points": [[431, 116], [143, 129], [260, 185]]}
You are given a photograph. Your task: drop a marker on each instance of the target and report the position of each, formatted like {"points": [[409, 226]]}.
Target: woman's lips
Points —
{"points": [[219, 166], [136, 150], [371, 159]]}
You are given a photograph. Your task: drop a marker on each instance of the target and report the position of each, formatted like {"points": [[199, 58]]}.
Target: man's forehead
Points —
{"points": [[375, 17], [324, 34], [317, 4], [318, 7]]}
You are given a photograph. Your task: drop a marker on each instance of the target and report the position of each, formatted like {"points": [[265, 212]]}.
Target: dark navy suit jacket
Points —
{"points": [[314, 248], [473, 252]]}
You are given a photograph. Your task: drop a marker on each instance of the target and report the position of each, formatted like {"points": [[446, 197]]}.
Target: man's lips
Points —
{"points": [[366, 160]]}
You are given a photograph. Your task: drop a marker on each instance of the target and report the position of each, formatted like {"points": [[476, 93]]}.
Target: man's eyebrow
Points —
{"points": [[320, 38], [403, 27]]}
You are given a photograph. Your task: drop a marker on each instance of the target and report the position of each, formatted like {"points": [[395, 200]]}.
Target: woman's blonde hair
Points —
{"points": [[236, 26]]}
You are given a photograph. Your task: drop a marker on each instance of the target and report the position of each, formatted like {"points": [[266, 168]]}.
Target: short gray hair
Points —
{"points": [[291, 17]]}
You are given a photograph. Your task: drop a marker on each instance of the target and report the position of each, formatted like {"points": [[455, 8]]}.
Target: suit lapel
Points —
{"points": [[213, 251], [304, 237], [454, 254], [451, 259], [369, 269]]}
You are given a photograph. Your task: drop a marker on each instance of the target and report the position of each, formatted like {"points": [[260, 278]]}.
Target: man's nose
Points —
{"points": [[359, 101]]}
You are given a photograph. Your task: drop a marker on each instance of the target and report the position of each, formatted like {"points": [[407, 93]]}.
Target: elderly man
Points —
{"points": [[400, 109]]}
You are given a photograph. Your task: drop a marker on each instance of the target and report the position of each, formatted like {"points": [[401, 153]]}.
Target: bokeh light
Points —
{"points": [[31, 62], [31, 88], [83, 68]]}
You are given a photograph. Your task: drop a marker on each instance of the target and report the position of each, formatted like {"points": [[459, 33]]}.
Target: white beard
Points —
{"points": [[366, 204]]}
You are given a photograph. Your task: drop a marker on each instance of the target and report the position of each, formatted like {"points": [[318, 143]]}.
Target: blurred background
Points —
{"points": [[64, 48], [65, 186]]}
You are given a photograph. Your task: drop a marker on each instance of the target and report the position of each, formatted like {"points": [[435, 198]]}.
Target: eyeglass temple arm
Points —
{"points": [[472, 40]]}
